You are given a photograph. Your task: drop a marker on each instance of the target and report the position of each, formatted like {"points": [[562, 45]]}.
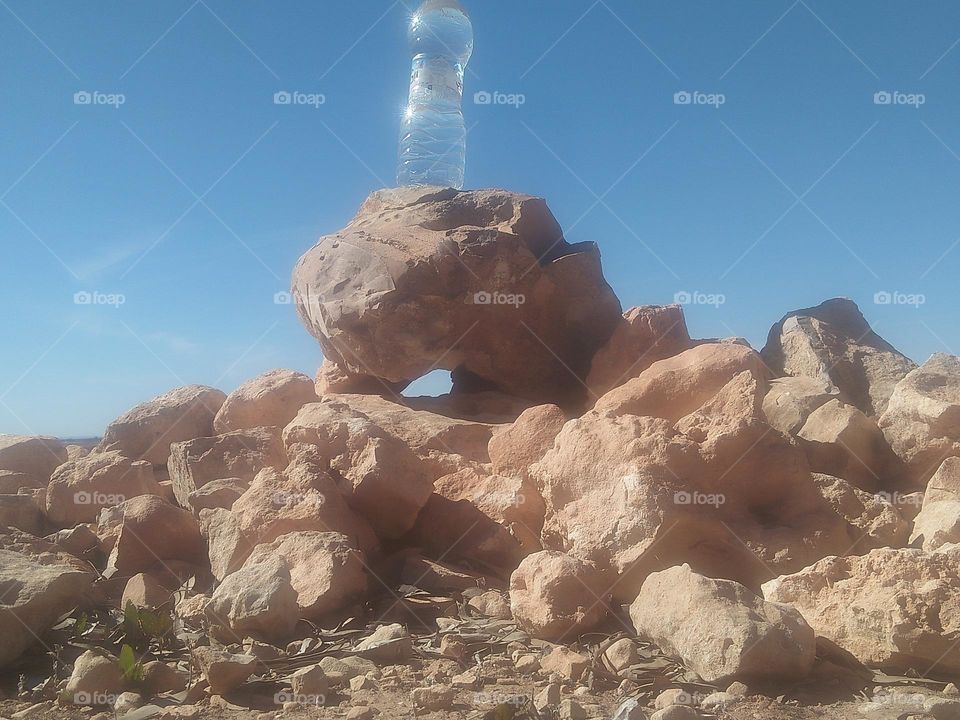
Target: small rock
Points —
{"points": [[387, 644], [127, 701], [96, 680], [548, 697], [469, 679], [158, 677], [676, 712], [360, 713], [951, 689], [224, 671], [491, 604], [630, 710], [737, 689], [674, 696], [572, 710], [942, 708], [621, 654], [310, 682], [565, 662], [362, 682], [717, 700], [435, 697], [527, 664], [453, 647]]}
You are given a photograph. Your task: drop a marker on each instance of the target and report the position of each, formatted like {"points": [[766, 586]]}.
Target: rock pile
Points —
{"points": [[769, 518]]}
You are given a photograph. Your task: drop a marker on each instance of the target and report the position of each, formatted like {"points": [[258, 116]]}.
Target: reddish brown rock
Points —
{"points": [[643, 336], [873, 521], [33, 457], [326, 571], [515, 448], [147, 431], [679, 385], [834, 343], [791, 400], [271, 399], [80, 489], [240, 454], [938, 521], [153, 532], [481, 281], [556, 597], [922, 420], [227, 545], [334, 380]]}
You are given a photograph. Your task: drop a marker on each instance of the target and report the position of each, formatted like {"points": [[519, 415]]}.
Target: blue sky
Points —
{"points": [[194, 197]]}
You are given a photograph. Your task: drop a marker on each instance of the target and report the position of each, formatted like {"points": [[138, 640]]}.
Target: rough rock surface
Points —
{"points": [[840, 440], [426, 278], [34, 457], [224, 670], [833, 342], [151, 532], [721, 630], [894, 609], [515, 448], [147, 431], [96, 677], [256, 601], [791, 400], [240, 454], [555, 596], [679, 385], [938, 521], [37, 586], [873, 520], [80, 489], [326, 571], [922, 421], [271, 399], [643, 336], [228, 546], [633, 493], [334, 380]]}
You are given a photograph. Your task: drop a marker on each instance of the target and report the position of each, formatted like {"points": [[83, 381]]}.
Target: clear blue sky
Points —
{"points": [[194, 198]]}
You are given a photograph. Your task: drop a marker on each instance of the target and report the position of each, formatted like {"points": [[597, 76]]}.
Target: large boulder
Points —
{"points": [[718, 489], [327, 572], [147, 431], [938, 521], [256, 601], [37, 586], [556, 597], [152, 532], [227, 545], [791, 400], [679, 385], [302, 497], [481, 281], [33, 457], [80, 489], [721, 630], [841, 440], [873, 521], [833, 342], [643, 336], [240, 454], [334, 380], [895, 609], [514, 449], [271, 399], [922, 421]]}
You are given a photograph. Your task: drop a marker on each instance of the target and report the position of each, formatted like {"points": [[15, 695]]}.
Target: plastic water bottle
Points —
{"points": [[433, 141]]}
